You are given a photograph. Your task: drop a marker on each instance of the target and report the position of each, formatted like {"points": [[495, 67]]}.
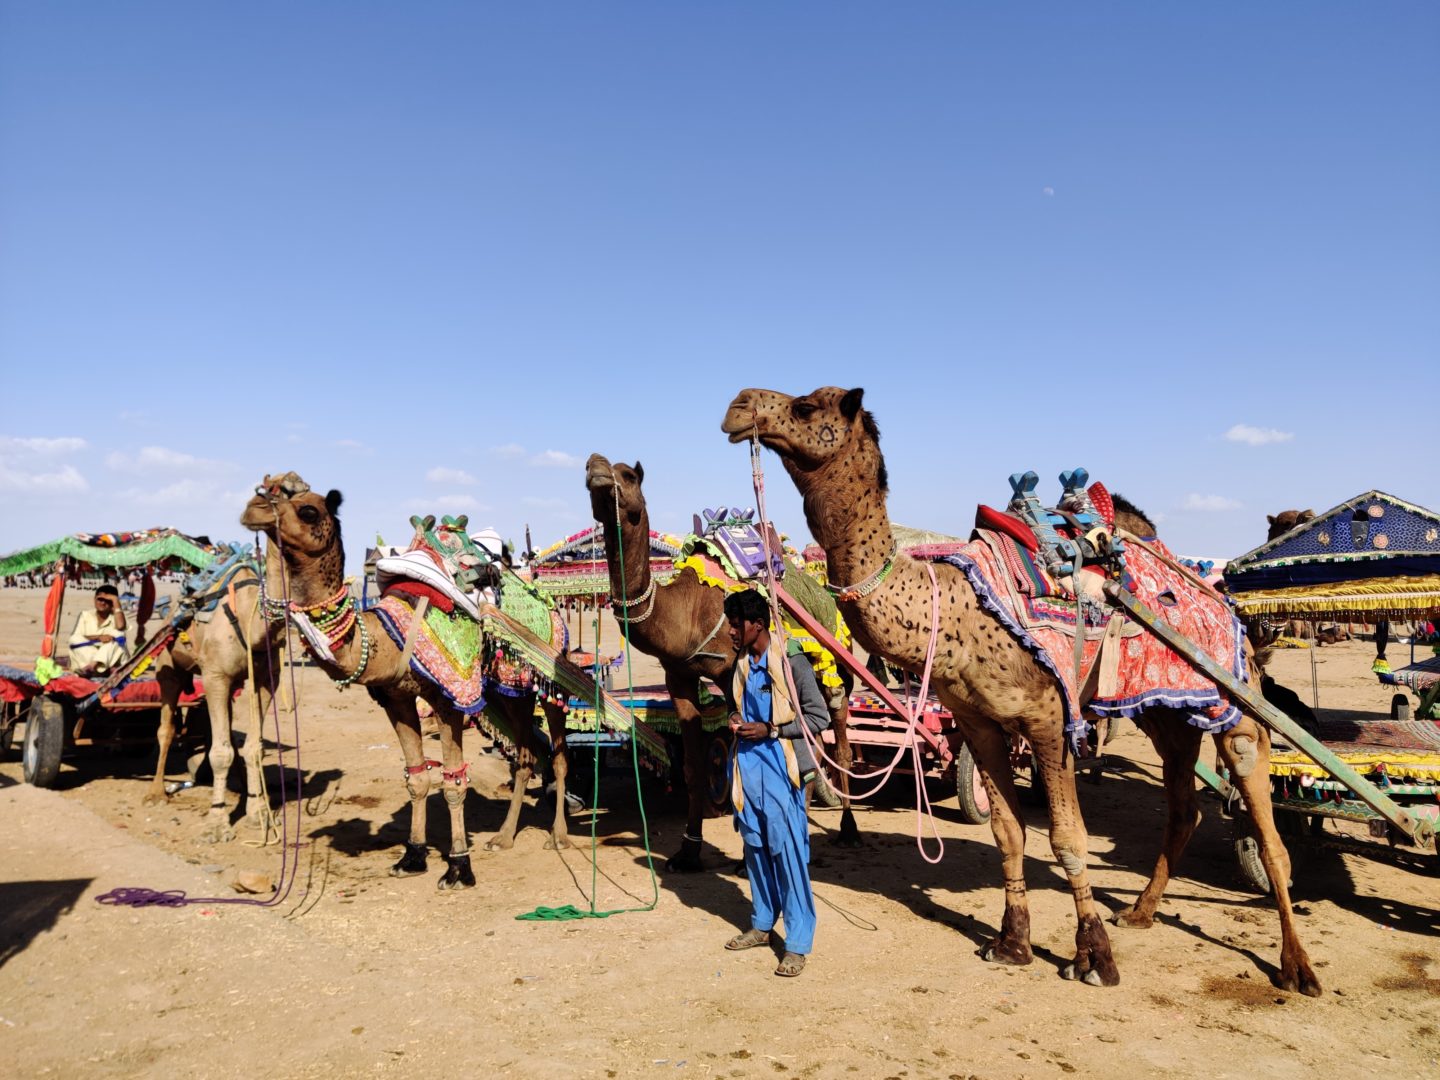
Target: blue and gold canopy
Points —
{"points": [[1372, 557]]}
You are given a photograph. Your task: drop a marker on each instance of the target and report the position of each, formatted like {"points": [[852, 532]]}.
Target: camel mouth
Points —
{"points": [[744, 436]]}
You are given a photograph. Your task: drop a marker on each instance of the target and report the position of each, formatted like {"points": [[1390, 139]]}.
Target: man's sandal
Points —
{"points": [[750, 939], [791, 964]]}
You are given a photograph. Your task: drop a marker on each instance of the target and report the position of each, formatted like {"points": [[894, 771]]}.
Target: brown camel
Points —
{"points": [[682, 624], [223, 652], [305, 529], [830, 447]]}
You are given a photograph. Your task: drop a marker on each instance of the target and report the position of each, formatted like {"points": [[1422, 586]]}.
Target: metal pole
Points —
{"points": [[1419, 831]]}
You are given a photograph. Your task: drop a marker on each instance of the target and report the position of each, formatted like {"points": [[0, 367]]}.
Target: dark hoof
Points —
{"points": [[1092, 977], [1302, 981], [849, 836], [411, 863], [1007, 952], [686, 860], [459, 875]]}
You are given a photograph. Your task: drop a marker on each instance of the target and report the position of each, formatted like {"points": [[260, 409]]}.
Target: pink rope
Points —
{"points": [[910, 742]]}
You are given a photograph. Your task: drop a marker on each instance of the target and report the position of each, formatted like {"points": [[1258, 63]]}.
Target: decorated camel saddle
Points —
{"points": [[1041, 571], [728, 551], [476, 629]]}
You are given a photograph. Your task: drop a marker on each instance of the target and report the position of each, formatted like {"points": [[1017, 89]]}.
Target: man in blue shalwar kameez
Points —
{"points": [[768, 782]]}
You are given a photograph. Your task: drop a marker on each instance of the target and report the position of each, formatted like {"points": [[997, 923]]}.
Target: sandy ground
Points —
{"points": [[357, 973]]}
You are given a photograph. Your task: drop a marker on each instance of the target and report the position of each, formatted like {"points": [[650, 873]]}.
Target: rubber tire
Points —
{"points": [[44, 741], [973, 798], [1247, 854], [824, 793]]}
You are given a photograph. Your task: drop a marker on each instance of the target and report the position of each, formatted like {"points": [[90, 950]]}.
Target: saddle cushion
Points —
{"points": [[987, 517]]}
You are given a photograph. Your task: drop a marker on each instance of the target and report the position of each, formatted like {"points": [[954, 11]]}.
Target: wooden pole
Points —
{"points": [[1419, 831]]}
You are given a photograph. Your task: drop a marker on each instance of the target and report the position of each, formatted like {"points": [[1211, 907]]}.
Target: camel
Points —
{"points": [[304, 528], [223, 652], [682, 624], [830, 446]]}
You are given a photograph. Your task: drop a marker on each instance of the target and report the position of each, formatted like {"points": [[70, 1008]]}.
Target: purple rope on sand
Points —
{"points": [[136, 896]]}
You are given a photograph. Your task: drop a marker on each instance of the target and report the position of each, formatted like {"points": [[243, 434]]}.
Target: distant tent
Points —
{"points": [[925, 543], [150, 547], [576, 566]]}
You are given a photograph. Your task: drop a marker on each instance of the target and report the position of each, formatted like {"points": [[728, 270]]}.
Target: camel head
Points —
{"points": [[824, 428], [610, 485], [291, 515], [1286, 520]]}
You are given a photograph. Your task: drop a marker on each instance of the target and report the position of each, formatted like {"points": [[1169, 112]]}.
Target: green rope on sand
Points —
{"points": [[569, 912]]}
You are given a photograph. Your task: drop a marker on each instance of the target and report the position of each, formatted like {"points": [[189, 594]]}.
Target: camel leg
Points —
{"points": [[992, 758], [560, 761], [219, 691], [684, 691], [522, 724], [419, 775], [1094, 962], [257, 806], [1249, 767], [456, 784], [169, 683], [1179, 746], [837, 701]]}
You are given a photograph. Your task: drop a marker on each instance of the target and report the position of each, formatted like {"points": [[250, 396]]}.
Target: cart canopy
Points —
{"points": [[1372, 557], [148, 548]]}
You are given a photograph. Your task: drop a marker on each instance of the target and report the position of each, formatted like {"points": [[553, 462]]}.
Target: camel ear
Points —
{"points": [[1270, 519], [639, 473], [333, 499], [850, 403]]}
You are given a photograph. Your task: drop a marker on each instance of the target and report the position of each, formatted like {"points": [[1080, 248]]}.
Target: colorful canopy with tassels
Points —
{"points": [[148, 548], [1372, 557]]}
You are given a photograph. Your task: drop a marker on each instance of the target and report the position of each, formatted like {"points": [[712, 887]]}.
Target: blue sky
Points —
{"points": [[436, 254]]}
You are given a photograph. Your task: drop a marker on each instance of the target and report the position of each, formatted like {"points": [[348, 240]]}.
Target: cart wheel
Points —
{"points": [[44, 740], [1247, 855], [1400, 707], [970, 789], [717, 775], [824, 791]]}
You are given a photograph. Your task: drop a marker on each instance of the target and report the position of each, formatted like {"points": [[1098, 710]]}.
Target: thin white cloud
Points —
{"points": [[292, 438], [355, 446], [536, 502], [1257, 436], [443, 475], [555, 459], [1210, 503], [510, 451], [66, 479], [1049, 192], [188, 492], [45, 447], [161, 459]]}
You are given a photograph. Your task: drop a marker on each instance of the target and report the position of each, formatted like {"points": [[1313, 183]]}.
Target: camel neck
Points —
{"points": [[853, 528], [311, 579], [632, 541]]}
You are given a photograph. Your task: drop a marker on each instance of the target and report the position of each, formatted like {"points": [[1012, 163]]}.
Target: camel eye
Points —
{"points": [[804, 410], [308, 514]]}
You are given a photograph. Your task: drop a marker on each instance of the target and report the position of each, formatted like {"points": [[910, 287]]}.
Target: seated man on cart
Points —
{"points": [[98, 643]]}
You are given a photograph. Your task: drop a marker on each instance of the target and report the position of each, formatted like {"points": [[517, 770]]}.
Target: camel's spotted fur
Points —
{"points": [[830, 446]]}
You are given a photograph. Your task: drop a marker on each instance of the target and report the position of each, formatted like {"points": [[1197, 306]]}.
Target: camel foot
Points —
{"points": [[686, 860], [558, 843], [218, 833], [1094, 964], [1009, 953], [1092, 977], [411, 863], [1298, 977], [459, 875], [500, 842], [154, 798], [1133, 919], [262, 820], [849, 836]]}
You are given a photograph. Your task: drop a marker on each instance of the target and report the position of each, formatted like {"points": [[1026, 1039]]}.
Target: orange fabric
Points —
{"points": [[52, 614]]}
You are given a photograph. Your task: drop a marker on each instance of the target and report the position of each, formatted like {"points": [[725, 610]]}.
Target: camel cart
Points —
{"points": [[1370, 786], [60, 710]]}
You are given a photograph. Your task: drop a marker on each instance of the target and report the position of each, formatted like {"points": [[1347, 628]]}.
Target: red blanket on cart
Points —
{"points": [[19, 685]]}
